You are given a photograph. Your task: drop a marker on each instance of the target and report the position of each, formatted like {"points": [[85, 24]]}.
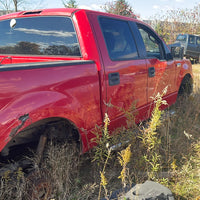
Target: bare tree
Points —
{"points": [[6, 5], [170, 23], [16, 5]]}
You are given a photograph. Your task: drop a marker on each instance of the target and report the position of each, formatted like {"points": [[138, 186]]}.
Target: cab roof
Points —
{"points": [[55, 12], [40, 12]]}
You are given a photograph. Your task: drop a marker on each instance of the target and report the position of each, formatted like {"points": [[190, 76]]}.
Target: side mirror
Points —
{"points": [[177, 52]]}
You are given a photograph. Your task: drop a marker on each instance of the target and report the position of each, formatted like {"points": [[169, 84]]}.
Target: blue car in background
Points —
{"points": [[191, 45]]}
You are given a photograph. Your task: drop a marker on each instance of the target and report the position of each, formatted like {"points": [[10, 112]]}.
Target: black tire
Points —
{"points": [[186, 87]]}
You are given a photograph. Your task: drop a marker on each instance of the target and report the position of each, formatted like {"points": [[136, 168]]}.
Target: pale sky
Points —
{"points": [[146, 8]]}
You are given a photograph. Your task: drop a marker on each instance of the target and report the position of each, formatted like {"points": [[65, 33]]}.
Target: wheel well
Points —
{"points": [[59, 129], [186, 86]]}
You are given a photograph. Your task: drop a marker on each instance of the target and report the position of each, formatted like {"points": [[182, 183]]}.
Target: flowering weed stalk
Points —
{"points": [[151, 140], [124, 158]]}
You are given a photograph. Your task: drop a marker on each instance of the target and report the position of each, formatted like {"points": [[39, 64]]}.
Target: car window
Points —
{"points": [[198, 40], [191, 39], [152, 43], [181, 38], [118, 38], [39, 36]]}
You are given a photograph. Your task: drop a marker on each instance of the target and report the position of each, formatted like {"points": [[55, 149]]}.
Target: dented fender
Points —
{"points": [[34, 107]]}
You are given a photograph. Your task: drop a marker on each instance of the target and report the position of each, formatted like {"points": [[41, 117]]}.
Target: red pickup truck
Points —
{"points": [[60, 68]]}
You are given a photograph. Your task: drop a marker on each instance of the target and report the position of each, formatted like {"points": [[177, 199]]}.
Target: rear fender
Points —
{"points": [[34, 107]]}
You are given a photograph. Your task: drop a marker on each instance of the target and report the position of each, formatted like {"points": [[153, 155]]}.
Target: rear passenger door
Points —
{"points": [[161, 70], [125, 72], [198, 48]]}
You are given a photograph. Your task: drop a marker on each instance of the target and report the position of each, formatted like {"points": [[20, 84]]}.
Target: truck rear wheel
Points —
{"points": [[34, 160]]}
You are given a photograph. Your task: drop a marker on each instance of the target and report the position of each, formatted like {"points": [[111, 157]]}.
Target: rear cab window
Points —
{"points": [[181, 38], [47, 35]]}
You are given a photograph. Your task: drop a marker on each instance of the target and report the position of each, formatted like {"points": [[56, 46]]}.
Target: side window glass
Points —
{"points": [[152, 44], [119, 39], [198, 40], [191, 39]]}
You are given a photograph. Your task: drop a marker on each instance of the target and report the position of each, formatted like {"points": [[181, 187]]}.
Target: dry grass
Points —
{"points": [[75, 177], [185, 144]]}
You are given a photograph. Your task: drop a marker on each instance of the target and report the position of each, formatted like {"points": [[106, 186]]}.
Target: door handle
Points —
{"points": [[152, 71], [114, 78]]}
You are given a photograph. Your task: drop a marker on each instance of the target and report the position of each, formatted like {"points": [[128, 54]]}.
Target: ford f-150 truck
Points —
{"points": [[60, 68]]}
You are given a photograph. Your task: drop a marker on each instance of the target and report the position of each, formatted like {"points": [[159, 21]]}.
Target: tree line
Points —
{"points": [[168, 24]]}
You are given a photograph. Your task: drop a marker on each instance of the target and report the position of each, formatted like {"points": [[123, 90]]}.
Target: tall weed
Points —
{"points": [[151, 139]]}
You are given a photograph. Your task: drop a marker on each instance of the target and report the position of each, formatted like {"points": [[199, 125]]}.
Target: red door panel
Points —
{"points": [[164, 77], [124, 68]]}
